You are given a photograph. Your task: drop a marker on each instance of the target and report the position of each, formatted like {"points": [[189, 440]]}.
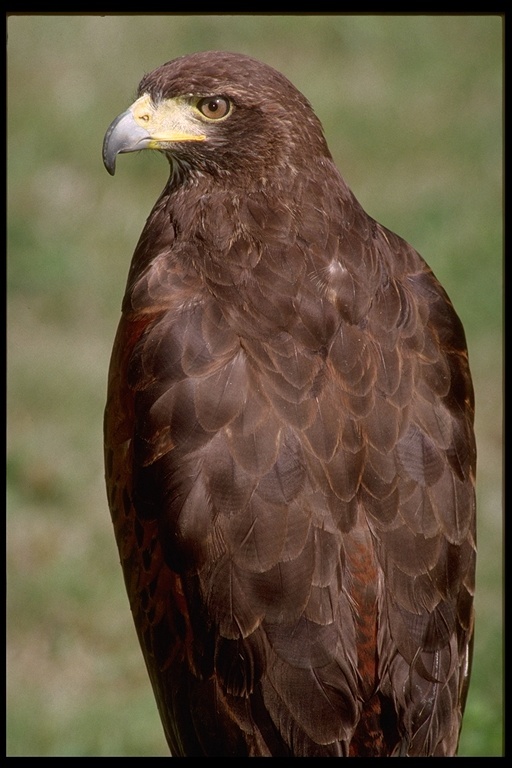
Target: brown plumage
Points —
{"points": [[289, 440]]}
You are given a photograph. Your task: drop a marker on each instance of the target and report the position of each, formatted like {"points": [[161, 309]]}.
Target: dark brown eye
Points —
{"points": [[214, 107]]}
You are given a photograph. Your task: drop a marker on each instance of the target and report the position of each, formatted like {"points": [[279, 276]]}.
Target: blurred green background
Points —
{"points": [[412, 109]]}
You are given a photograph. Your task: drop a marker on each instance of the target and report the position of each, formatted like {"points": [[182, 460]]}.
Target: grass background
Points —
{"points": [[412, 108]]}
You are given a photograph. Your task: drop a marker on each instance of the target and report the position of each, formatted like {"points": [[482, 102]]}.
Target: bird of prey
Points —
{"points": [[289, 447]]}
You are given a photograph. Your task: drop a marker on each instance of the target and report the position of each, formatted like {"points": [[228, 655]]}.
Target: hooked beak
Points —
{"points": [[146, 125], [123, 135]]}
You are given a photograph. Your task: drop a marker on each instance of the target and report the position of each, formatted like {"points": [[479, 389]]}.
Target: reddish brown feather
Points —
{"points": [[289, 449]]}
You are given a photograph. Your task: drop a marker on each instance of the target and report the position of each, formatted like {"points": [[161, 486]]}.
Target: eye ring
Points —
{"points": [[214, 107]]}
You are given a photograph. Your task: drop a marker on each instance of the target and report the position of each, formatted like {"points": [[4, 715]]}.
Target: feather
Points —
{"points": [[289, 445]]}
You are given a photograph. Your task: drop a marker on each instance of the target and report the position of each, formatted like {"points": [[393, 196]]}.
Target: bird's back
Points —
{"points": [[292, 505]]}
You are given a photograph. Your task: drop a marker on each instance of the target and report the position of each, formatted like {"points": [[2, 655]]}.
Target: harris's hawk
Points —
{"points": [[289, 443]]}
